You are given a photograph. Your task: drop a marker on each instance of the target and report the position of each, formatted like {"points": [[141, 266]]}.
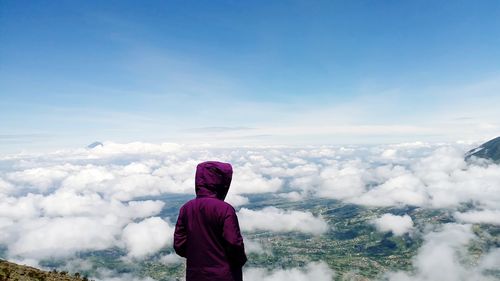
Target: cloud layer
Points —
{"points": [[95, 199]]}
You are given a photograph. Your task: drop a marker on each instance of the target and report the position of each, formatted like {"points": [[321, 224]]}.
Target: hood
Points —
{"points": [[213, 179]]}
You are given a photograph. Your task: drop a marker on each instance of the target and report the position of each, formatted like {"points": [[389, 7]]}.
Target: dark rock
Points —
{"points": [[489, 150]]}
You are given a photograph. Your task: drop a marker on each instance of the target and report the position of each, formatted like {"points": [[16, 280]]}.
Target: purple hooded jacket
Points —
{"points": [[207, 232]]}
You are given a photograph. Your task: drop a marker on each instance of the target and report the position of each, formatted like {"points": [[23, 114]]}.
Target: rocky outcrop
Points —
{"points": [[15, 272], [489, 150]]}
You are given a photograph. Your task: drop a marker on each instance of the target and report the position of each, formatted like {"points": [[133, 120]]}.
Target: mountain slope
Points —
{"points": [[15, 272], [489, 150]]}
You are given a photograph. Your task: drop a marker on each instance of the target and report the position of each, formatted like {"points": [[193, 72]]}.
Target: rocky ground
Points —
{"points": [[15, 272]]}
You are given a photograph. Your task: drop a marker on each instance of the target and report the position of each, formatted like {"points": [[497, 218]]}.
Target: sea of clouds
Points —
{"points": [[54, 205]]}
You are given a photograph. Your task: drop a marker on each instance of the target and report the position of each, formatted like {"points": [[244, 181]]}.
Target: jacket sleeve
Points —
{"points": [[235, 248], [180, 235]]}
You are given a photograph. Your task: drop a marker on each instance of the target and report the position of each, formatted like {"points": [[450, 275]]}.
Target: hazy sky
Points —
{"points": [[247, 72]]}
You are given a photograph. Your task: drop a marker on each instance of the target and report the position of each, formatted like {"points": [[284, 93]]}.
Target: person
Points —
{"points": [[207, 231]]}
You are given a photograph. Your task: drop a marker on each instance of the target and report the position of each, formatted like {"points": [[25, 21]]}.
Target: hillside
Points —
{"points": [[15, 272], [489, 150]]}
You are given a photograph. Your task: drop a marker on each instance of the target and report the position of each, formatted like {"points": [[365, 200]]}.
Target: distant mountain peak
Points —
{"points": [[95, 144], [489, 150]]}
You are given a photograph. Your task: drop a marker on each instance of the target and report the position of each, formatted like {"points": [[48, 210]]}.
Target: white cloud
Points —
{"points": [[390, 153], [171, 259], [135, 185], [484, 216], [405, 189], [62, 223], [108, 275], [277, 220], [236, 200], [20, 207], [88, 177], [75, 265], [441, 258], [5, 223], [398, 225], [141, 209], [147, 237], [110, 149], [68, 203], [317, 271], [59, 237], [246, 180], [490, 261], [125, 277], [41, 178], [136, 168], [293, 196], [5, 188], [341, 181]]}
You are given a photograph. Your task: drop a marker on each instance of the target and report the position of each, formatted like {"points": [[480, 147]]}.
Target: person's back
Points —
{"points": [[207, 231]]}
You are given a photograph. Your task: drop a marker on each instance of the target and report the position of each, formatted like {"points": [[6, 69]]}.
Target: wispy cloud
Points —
{"points": [[220, 129]]}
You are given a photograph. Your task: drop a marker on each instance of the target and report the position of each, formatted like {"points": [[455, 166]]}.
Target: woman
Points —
{"points": [[207, 232]]}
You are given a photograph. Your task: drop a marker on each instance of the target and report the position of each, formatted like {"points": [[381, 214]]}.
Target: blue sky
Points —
{"points": [[247, 72]]}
